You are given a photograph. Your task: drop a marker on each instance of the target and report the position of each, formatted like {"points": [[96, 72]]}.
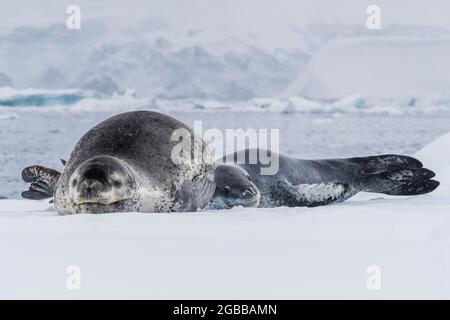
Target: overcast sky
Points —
{"points": [[195, 13]]}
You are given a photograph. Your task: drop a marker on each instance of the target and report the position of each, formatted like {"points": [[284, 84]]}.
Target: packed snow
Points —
{"points": [[325, 252]]}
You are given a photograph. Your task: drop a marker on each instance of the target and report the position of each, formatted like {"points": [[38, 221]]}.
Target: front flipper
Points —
{"points": [[308, 195], [43, 182]]}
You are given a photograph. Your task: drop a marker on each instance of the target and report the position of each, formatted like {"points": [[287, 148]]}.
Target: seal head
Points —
{"points": [[103, 184], [233, 188]]}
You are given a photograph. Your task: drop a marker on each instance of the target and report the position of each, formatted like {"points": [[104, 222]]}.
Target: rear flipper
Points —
{"points": [[43, 182], [402, 182], [307, 195], [396, 175]]}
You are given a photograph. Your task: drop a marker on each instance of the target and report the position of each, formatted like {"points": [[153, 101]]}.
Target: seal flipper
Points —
{"points": [[43, 182], [35, 195], [402, 182], [307, 195], [396, 175]]}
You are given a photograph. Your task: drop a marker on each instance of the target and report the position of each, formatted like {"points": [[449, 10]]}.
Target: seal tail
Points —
{"points": [[396, 175]]}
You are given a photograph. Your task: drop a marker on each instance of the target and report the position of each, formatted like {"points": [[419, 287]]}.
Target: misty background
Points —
{"points": [[227, 50]]}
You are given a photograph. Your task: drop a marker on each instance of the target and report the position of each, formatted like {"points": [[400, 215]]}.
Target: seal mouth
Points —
{"points": [[250, 198], [97, 207], [254, 202], [220, 203], [97, 200]]}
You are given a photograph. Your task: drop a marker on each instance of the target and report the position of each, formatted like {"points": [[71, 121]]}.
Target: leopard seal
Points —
{"points": [[124, 164], [310, 183]]}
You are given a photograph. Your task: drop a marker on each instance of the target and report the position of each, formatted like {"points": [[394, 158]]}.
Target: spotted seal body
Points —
{"points": [[310, 183], [125, 164]]}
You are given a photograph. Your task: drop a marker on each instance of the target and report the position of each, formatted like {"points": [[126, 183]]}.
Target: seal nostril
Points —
{"points": [[74, 182], [117, 184], [249, 191]]}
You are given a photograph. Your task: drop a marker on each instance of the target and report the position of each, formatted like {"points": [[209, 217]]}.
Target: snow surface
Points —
{"points": [[240, 253]]}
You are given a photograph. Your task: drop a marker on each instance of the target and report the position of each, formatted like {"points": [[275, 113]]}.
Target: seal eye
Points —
{"points": [[226, 190], [74, 182], [117, 183]]}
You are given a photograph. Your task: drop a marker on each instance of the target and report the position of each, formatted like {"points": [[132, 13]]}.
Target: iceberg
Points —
{"points": [[10, 97], [375, 67]]}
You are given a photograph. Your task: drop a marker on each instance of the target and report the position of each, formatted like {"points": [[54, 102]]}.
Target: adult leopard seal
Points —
{"points": [[125, 164], [309, 183]]}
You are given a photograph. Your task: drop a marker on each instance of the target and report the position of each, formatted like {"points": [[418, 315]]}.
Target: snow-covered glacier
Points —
{"points": [[377, 68], [329, 68], [195, 57], [153, 57]]}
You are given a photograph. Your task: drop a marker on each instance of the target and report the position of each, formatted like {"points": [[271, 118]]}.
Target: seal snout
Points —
{"points": [[90, 190], [100, 181], [250, 197]]}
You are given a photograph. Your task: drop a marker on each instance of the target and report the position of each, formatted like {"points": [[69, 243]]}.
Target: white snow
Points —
{"points": [[436, 154], [320, 252]]}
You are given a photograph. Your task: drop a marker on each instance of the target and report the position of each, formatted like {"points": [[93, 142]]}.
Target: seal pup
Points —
{"points": [[310, 183]]}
